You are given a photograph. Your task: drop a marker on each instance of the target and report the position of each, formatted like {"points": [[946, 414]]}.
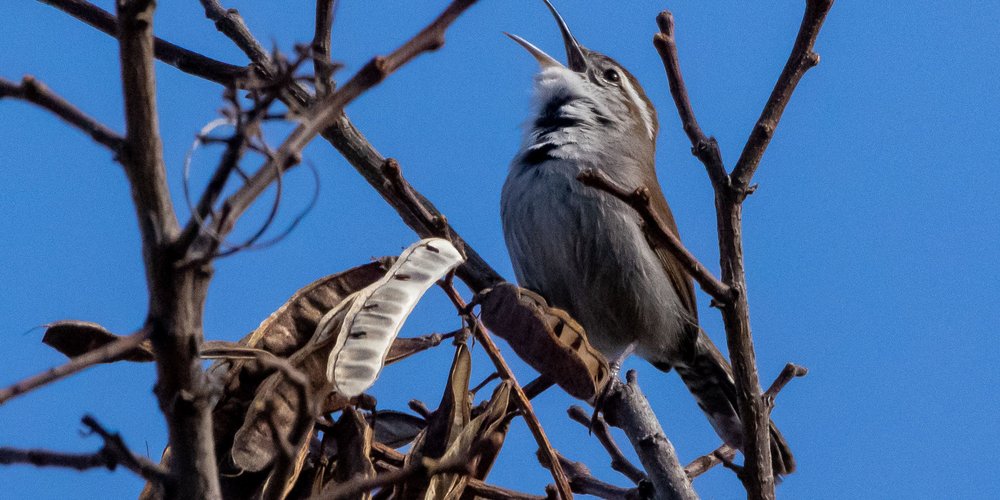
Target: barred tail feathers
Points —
{"points": [[710, 380]]}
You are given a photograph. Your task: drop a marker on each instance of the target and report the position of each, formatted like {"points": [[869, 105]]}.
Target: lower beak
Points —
{"points": [[544, 60]]}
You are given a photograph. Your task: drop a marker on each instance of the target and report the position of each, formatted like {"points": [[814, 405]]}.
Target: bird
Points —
{"points": [[586, 252]]}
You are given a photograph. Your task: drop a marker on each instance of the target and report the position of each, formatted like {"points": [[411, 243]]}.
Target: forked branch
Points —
{"points": [[726, 453], [113, 454], [799, 61], [326, 112], [183, 59], [730, 191]]}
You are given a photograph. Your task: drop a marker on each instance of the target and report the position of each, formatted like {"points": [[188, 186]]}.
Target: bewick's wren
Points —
{"points": [[585, 251]]}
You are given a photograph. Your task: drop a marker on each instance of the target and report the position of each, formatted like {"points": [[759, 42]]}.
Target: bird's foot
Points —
{"points": [[614, 369]]}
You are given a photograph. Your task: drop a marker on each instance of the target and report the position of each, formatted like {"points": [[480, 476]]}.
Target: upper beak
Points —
{"points": [[574, 51]]}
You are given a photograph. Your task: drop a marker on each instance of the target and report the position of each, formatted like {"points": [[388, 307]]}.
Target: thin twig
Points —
{"points": [[705, 148], [545, 447], [639, 200], [461, 463], [799, 61], [726, 453], [788, 373], [703, 463], [111, 455], [584, 483], [34, 91], [100, 355], [183, 59], [489, 378], [322, 65], [326, 112], [600, 428], [230, 23], [116, 450]]}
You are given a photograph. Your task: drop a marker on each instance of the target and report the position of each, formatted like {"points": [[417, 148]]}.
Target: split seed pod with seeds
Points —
{"points": [[375, 315]]}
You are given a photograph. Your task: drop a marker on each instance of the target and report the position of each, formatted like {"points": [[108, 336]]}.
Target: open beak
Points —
{"points": [[574, 51]]}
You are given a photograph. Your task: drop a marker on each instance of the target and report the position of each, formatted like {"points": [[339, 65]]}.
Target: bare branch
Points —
{"points": [[113, 454], [115, 449], [726, 453], [627, 408], [799, 61], [143, 154], [584, 483], [322, 65], [545, 447], [461, 463], [479, 489], [730, 191], [703, 463], [46, 458], [230, 23], [36, 92], [103, 354], [327, 111], [600, 428], [342, 134], [658, 229], [788, 373], [390, 459], [176, 297], [183, 59], [705, 148], [538, 386]]}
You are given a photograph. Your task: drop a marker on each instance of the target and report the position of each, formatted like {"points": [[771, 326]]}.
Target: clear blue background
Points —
{"points": [[871, 245]]}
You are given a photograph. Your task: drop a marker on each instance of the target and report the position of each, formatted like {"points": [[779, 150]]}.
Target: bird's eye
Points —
{"points": [[612, 75]]}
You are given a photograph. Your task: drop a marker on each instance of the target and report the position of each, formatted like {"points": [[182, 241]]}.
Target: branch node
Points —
{"points": [[812, 59]]}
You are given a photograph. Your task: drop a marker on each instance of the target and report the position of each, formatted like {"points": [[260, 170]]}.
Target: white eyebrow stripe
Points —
{"points": [[647, 117]]}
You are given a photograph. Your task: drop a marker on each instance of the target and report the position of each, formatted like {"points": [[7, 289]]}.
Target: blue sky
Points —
{"points": [[871, 245]]}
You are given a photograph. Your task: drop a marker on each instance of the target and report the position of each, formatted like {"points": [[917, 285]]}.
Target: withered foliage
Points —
{"points": [[265, 420]]}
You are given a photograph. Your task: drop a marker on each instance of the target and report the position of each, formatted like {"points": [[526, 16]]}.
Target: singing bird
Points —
{"points": [[585, 251]]}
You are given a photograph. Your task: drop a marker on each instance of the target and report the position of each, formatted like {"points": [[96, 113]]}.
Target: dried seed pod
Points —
{"points": [[377, 313], [547, 338]]}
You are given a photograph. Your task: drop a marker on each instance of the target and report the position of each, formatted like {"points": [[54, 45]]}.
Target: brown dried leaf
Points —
{"points": [[278, 400], [283, 333], [288, 329], [288, 483], [494, 420], [73, 338], [447, 423], [354, 446], [545, 337]]}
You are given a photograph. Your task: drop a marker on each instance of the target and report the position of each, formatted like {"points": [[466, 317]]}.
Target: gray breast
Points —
{"points": [[585, 252]]}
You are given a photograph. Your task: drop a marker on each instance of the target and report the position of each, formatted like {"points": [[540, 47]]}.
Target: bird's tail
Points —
{"points": [[710, 379]]}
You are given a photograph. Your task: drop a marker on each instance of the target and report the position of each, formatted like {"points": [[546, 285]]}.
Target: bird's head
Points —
{"points": [[591, 100]]}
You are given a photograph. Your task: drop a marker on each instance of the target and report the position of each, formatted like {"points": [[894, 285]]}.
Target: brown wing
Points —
{"points": [[678, 276]]}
